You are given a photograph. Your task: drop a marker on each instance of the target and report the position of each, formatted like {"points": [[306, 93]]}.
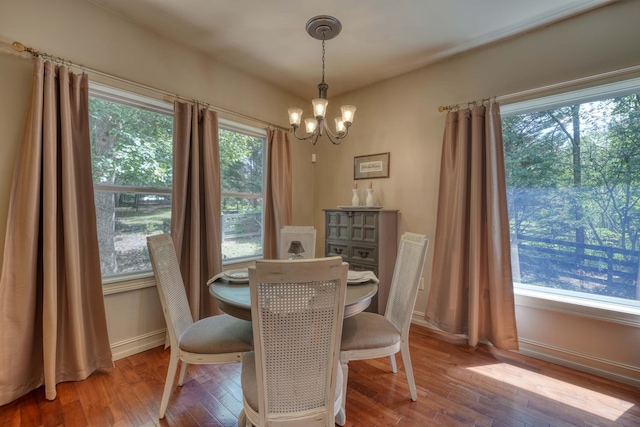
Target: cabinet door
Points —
{"points": [[363, 227], [337, 225]]}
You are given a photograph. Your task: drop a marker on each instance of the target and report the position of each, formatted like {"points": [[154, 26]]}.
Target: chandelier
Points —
{"points": [[323, 28]]}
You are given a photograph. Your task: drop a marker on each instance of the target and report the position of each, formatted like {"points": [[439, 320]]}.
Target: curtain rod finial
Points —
{"points": [[18, 47], [441, 109]]}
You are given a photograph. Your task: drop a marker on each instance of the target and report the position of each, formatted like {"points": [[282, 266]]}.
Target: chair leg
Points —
{"points": [[183, 372], [394, 365], [408, 369], [243, 421], [174, 358], [341, 417]]}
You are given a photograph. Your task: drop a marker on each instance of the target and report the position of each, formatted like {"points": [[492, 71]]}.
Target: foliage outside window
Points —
{"points": [[573, 190], [132, 155], [241, 171], [132, 158]]}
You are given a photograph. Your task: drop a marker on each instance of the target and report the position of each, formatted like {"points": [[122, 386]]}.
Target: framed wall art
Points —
{"points": [[371, 166]]}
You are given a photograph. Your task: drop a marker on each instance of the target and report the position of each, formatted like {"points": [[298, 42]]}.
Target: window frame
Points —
{"points": [[256, 132], [116, 282], [602, 307]]}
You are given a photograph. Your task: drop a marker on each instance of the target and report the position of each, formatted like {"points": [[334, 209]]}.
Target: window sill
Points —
{"points": [[530, 296], [128, 282], [240, 262], [131, 282]]}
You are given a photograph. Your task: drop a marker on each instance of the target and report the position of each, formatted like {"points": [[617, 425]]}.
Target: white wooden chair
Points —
{"points": [[306, 235], [293, 377], [371, 335], [212, 340]]}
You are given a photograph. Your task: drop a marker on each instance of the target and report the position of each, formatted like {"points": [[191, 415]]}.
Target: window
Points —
{"points": [[573, 190], [241, 174], [132, 155], [132, 158]]}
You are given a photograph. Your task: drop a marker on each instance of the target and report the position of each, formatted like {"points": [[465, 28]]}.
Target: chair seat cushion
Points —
{"points": [[249, 383], [217, 335], [368, 330]]}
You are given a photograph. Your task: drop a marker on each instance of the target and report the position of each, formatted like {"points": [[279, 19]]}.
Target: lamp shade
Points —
{"points": [[295, 116], [319, 107], [348, 111], [295, 249], [310, 125]]}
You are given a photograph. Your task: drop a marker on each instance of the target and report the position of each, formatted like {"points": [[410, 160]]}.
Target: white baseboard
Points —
{"points": [[417, 318], [138, 344], [609, 369], [581, 362]]}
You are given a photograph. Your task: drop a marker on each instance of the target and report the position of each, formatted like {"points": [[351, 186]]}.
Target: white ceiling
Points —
{"points": [[379, 39]]}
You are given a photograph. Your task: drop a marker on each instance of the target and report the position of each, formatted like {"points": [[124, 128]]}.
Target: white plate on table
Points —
{"points": [[238, 275]]}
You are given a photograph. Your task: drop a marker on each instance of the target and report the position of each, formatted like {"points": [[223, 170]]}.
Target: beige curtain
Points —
{"points": [[195, 210], [52, 318], [471, 285], [278, 203]]}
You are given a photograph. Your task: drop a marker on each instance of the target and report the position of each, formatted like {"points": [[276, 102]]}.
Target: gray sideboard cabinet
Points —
{"points": [[367, 240]]}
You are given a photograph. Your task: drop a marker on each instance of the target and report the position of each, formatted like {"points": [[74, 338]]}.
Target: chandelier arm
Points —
{"points": [[335, 139], [314, 136], [301, 138], [317, 135]]}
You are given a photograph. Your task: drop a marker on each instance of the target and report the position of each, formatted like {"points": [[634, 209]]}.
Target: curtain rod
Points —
{"points": [[538, 90], [167, 96]]}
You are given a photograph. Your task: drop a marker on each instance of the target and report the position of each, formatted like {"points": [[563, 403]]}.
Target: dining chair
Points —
{"points": [[293, 378], [371, 335], [305, 234], [212, 340]]}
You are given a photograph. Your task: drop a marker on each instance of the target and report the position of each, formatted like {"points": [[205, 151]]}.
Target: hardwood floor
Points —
{"points": [[457, 386]]}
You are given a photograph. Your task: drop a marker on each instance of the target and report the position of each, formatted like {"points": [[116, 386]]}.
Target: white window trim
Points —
{"points": [[132, 99], [127, 282], [605, 308], [569, 302], [622, 88]]}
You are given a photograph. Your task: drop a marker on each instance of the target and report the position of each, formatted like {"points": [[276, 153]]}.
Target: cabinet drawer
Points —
{"points": [[337, 249], [363, 253]]}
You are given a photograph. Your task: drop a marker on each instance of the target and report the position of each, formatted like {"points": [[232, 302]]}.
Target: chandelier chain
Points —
{"points": [[323, 56]]}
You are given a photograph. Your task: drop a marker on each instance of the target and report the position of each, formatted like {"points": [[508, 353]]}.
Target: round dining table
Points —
{"points": [[234, 298]]}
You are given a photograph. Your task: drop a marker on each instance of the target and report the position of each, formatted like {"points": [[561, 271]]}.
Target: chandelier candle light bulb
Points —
{"points": [[323, 28]]}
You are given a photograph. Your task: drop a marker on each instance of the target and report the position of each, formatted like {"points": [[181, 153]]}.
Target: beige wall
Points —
{"points": [[398, 116], [86, 34]]}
